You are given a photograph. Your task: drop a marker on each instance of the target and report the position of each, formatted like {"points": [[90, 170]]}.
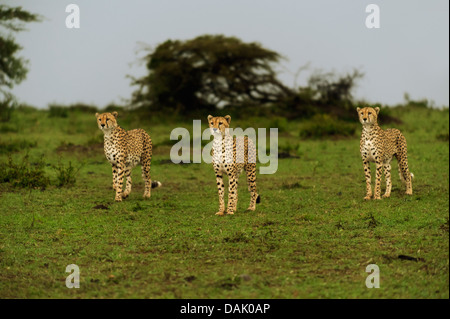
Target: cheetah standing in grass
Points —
{"points": [[124, 150], [231, 157], [380, 146]]}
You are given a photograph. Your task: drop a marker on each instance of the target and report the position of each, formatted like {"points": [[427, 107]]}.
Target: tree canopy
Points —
{"points": [[207, 72], [13, 68]]}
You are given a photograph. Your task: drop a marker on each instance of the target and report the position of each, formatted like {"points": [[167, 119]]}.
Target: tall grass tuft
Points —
{"points": [[24, 174]]}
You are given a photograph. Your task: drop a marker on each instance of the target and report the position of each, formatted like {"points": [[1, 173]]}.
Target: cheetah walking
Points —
{"points": [[380, 146], [231, 157], [124, 150]]}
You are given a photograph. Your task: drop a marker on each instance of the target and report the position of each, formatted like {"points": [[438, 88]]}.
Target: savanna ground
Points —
{"points": [[312, 235]]}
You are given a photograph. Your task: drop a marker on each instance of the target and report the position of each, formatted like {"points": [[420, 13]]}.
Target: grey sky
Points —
{"points": [[409, 53]]}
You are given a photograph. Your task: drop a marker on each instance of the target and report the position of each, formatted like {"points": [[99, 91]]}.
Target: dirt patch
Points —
{"points": [[70, 147], [286, 155], [101, 206], [404, 257]]}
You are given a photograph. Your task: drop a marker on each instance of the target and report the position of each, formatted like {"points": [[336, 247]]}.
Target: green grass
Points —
{"points": [[312, 236]]}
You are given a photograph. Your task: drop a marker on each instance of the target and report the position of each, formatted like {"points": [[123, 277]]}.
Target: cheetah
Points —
{"points": [[231, 157], [124, 150], [380, 146]]}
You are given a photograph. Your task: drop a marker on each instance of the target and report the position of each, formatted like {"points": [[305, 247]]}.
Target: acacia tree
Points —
{"points": [[13, 68], [331, 89], [208, 72]]}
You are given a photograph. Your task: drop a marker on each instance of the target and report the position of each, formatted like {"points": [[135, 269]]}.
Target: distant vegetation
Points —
{"points": [[218, 73], [13, 69]]}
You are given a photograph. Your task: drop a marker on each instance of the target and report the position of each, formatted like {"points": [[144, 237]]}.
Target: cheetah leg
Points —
{"points": [[403, 169], [387, 174], [129, 183], [120, 172], [221, 190], [368, 180], [147, 178], [232, 195], [114, 173], [405, 174], [379, 173], [251, 181]]}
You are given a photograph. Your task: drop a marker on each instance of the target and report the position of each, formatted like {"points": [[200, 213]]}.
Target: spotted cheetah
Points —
{"points": [[379, 146], [231, 157], [124, 150]]}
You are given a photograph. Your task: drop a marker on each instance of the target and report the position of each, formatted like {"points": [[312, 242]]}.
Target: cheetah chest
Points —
{"points": [[111, 152], [223, 158], [369, 150]]}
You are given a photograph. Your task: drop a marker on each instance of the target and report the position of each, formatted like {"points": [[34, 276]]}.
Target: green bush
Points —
{"points": [[83, 108], [15, 146], [66, 176], [5, 110], [24, 174], [58, 111], [113, 107], [323, 126], [8, 128], [279, 122]]}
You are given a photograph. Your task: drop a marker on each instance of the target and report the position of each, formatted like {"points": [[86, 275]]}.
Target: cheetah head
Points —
{"points": [[106, 121], [219, 124], [368, 115]]}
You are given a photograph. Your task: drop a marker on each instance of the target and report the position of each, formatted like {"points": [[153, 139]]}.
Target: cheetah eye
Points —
{"points": [[220, 123], [370, 113]]}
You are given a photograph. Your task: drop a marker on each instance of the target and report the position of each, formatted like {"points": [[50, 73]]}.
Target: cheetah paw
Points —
{"points": [[219, 213]]}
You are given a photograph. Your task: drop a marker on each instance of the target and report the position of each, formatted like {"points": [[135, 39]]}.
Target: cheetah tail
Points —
{"points": [[156, 184]]}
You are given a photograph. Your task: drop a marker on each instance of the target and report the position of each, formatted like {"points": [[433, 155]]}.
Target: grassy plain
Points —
{"points": [[312, 236]]}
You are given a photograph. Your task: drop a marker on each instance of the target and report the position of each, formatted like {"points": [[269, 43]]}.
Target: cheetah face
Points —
{"points": [[106, 121], [219, 125], [368, 115]]}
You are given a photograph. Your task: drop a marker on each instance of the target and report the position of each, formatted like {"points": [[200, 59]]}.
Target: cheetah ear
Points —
{"points": [[96, 114], [228, 118], [115, 114], [209, 118], [377, 109], [358, 109]]}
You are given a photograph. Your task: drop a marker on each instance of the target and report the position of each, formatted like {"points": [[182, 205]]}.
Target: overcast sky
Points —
{"points": [[408, 53]]}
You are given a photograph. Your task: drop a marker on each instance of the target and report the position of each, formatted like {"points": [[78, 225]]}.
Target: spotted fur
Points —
{"points": [[380, 146], [230, 156], [124, 150]]}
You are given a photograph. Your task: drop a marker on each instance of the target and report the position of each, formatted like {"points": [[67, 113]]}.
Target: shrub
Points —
{"points": [[279, 122], [14, 146], [113, 107], [323, 125], [58, 111], [66, 176], [24, 174], [83, 108], [6, 109]]}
